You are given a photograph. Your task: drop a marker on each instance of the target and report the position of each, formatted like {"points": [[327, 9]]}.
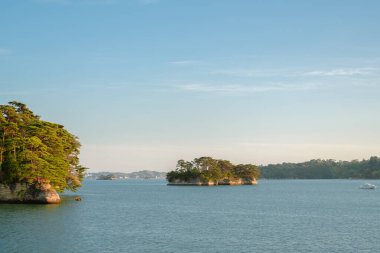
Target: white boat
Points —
{"points": [[368, 186]]}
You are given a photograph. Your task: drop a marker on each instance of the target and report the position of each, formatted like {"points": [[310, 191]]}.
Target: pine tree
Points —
{"points": [[37, 152]]}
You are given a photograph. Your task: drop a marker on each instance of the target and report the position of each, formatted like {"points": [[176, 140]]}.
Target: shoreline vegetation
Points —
{"points": [[206, 171], [324, 169], [313, 169], [38, 159]]}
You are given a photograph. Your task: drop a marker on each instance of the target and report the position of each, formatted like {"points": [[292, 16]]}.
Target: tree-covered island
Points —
{"points": [[209, 171], [37, 158]]}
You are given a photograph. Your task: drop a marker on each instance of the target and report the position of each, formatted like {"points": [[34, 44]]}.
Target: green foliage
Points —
{"points": [[324, 169], [184, 171], [37, 152], [246, 171], [209, 169]]}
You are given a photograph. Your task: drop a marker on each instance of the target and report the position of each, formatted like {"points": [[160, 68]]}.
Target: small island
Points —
{"points": [[38, 159], [106, 177], [206, 171]]}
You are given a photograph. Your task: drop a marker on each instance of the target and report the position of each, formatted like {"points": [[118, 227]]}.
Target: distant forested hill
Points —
{"points": [[147, 174], [143, 174], [324, 169]]}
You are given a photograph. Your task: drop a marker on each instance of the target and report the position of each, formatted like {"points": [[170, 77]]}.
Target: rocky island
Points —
{"points": [[206, 171], [26, 193], [38, 159]]}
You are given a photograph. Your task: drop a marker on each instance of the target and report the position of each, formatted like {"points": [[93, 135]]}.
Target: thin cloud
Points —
{"points": [[245, 89], [235, 88], [247, 72], [341, 72]]}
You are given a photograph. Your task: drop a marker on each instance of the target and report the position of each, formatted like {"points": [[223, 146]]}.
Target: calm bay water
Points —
{"points": [[148, 216]]}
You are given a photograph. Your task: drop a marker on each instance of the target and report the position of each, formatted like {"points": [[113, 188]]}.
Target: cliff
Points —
{"points": [[199, 182], [24, 193]]}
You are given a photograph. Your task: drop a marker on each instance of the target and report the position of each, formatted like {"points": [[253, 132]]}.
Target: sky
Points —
{"points": [[144, 83]]}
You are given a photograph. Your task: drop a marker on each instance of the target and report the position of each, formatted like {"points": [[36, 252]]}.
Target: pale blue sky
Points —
{"points": [[144, 83]]}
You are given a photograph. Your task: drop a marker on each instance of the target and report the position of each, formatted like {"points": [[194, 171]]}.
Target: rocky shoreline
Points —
{"points": [[24, 193], [198, 182]]}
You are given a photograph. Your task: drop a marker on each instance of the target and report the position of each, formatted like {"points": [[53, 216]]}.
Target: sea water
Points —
{"points": [[148, 216]]}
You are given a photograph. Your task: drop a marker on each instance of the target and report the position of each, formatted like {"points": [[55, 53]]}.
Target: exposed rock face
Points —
{"points": [[198, 182], [24, 193], [249, 181], [194, 181]]}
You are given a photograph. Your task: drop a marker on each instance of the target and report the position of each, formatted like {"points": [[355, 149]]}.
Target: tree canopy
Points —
{"points": [[209, 169], [37, 152], [324, 169]]}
